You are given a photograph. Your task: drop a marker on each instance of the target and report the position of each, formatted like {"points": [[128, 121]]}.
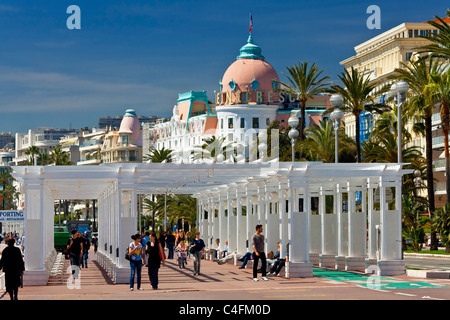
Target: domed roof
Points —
{"points": [[250, 71], [130, 124]]}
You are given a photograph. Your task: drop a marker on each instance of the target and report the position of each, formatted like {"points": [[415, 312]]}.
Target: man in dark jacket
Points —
{"points": [[13, 266]]}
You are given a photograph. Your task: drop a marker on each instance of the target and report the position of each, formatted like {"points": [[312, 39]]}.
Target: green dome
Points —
{"points": [[130, 113], [250, 51]]}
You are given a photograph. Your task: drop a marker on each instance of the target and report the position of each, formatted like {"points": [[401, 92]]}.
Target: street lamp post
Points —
{"points": [[336, 101], [293, 133], [398, 90]]}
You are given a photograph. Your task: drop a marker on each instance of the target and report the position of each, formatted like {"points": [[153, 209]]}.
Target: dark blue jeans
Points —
{"points": [[136, 268], [245, 259], [170, 245]]}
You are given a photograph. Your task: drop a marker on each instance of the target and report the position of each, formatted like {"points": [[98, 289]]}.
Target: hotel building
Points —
{"points": [[248, 100]]}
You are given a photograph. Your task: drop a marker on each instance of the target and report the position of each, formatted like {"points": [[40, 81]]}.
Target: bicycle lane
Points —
{"points": [[421, 289]]}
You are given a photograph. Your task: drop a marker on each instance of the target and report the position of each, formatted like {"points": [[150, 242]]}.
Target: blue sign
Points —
{"points": [[11, 216]]}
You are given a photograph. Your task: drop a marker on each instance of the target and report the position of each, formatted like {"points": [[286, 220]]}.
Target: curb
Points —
{"points": [[429, 274], [425, 255]]}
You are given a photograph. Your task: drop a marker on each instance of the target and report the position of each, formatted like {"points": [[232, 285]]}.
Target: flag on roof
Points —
{"points": [[251, 23]]}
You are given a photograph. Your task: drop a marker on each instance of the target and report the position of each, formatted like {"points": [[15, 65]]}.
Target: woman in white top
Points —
{"points": [[136, 251]]}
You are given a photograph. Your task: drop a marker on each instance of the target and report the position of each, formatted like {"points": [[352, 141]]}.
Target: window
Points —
{"points": [[255, 122], [230, 123], [124, 140], [242, 123], [267, 121], [221, 123], [408, 56]]}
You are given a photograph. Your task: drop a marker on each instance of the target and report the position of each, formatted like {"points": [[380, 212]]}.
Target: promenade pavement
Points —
{"points": [[228, 282]]}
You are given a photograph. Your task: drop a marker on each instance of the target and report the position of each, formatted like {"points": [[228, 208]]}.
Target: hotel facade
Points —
{"points": [[248, 101]]}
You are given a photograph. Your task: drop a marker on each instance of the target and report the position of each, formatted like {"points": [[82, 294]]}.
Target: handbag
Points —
{"points": [[192, 250], [127, 254]]}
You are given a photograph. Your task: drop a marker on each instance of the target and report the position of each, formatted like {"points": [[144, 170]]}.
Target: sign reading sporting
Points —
{"points": [[11, 215]]}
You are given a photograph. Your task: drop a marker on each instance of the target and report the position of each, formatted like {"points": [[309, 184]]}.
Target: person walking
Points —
{"points": [[95, 243], [86, 247], [170, 244], [136, 252], [75, 249], [258, 253], [155, 254], [13, 266], [198, 247]]}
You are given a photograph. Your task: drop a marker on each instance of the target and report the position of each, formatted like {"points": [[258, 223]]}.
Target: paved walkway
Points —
{"points": [[228, 282]]}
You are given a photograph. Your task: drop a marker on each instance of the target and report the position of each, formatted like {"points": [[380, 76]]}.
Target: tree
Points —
{"points": [[357, 93], [32, 151], [8, 192], [418, 105], [440, 41], [213, 148], [159, 156], [383, 148], [320, 143], [438, 90], [150, 206], [412, 230], [60, 157], [441, 223], [305, 83], [43, 159]]}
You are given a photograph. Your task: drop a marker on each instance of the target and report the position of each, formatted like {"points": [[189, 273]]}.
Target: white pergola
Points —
{"points": [[231, 200]]}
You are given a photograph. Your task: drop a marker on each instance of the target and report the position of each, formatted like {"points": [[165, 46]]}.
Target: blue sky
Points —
{"points": [[142, 54]]}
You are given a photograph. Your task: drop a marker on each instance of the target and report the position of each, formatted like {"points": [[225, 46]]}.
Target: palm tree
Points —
{"points": [[43, 159], [438, 91], [214, 147], [159, 156], [305, 83], [32, 151], [320, 140], [416, 74], [440, 41], [183, 206], [441, 223], [383, 148], [60, 158], [150, 206], [357, 93], [412, 230], [8, 192]]}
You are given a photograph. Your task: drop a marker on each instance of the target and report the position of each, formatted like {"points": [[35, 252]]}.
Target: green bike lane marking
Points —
{"points": [[370, 281]]}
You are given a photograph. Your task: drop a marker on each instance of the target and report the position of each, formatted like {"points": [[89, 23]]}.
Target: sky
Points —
{"points": [[142, 54]]}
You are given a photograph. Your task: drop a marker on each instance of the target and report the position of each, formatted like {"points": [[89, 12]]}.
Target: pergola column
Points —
{"points": [[240, 223], [283, 219], [38, 223], [355, 259], [222, 220], [391, 261], [342, 218], [298, 265], [328, 234]]}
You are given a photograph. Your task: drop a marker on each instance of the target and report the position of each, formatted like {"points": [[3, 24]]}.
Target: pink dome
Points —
{"points": [[244, 71], [130, 124], [250, 72]]}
